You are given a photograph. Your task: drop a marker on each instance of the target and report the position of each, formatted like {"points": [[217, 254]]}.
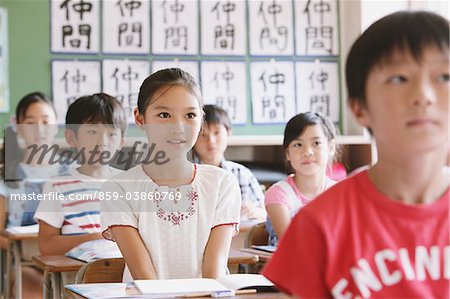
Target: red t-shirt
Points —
{"points": [[352, 241]]}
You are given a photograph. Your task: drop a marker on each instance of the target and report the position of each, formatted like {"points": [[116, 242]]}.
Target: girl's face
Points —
{"points": [[310, 153], [38, 124], [172, 121]]}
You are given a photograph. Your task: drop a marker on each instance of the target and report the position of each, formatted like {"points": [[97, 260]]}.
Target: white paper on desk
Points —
{"points": [[246, 281], [174, 287], [105, 290], [22, 230]]}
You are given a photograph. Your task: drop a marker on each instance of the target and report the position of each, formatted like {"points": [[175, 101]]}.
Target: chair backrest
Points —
{"points": [[102, 270], [257, 235]]}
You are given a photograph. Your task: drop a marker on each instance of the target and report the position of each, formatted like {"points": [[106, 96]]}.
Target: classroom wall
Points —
{"points": [[28, 32]]}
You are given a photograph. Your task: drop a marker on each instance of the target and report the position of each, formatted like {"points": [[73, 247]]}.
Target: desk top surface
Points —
{"points": [[131, 289], [62, 263], [19, 237]]}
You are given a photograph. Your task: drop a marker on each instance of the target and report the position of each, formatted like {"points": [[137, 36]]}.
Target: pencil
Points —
{"points": [[219, 294]]}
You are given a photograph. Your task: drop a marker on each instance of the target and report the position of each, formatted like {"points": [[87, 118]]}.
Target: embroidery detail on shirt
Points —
{"points": [[177, 216]]}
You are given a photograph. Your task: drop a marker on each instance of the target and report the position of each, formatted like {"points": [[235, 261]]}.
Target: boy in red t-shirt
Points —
{"points": [[384, 232]]}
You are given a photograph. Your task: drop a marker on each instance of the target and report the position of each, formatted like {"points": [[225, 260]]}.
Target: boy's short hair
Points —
{"points": [[99, 108], [216, 115], [406, 30]]}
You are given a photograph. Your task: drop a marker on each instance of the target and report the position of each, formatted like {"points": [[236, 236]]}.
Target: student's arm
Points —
{"points": [[280, 217], [252, 211], [134, 251], [3, 240], [215, 258], [51, 242]]}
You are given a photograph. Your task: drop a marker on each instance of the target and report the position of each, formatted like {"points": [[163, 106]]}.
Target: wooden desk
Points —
{"points": [[13, 252], [62, 263], [57, 263], [263, 256], [132, 290]]}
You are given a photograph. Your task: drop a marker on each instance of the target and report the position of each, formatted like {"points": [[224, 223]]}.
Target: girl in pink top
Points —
{"points": [[309, 144]]}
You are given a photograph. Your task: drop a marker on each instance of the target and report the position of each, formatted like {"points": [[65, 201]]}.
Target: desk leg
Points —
{"points": [[18, 269], [7, 290]]}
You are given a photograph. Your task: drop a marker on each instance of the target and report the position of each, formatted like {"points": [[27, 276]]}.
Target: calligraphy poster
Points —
{"points": [[4, 85], [316, 27], [271, 27], [175, 27], [273, 91], [72, 79], [223, 27], [75, 26], [126, 26], [318, 88], [188, 66], [225, 84], [122, 79]]}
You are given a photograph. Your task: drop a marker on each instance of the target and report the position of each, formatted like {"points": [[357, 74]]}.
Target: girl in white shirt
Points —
{"points": [[171, 218]]}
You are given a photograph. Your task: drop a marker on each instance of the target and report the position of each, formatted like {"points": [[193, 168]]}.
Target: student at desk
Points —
{"points": [[210, 148], [94, 125], [181, 216], [310, 145], [24, 175], [384, 232]]}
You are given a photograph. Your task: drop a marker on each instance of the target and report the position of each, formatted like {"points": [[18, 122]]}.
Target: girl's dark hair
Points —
{"points": [[165, 78], [99, 108], [10, 172], [405, 30], [298, 124]]}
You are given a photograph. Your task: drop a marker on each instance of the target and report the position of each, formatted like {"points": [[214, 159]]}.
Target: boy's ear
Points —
{"points": [[71, 138], [138, 118], [230, 132], [360, 112]]}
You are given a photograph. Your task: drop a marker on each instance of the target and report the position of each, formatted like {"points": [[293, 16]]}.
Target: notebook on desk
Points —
{"points": [[186, 287], [95, 249], [23, 230], [267, 248], [105, 290]]}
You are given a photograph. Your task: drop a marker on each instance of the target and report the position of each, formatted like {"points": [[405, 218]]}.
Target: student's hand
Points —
{"points": [[52, 242], [250, 211]]}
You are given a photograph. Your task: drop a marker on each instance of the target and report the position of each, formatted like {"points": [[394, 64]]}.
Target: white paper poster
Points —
{"points": [[72, 79], [75, 26], [318, 88], [175, 27], [122, 79], [223, 27], [273, 91], [126, 26], [225, 84], [271, 27], [316, 27]]}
